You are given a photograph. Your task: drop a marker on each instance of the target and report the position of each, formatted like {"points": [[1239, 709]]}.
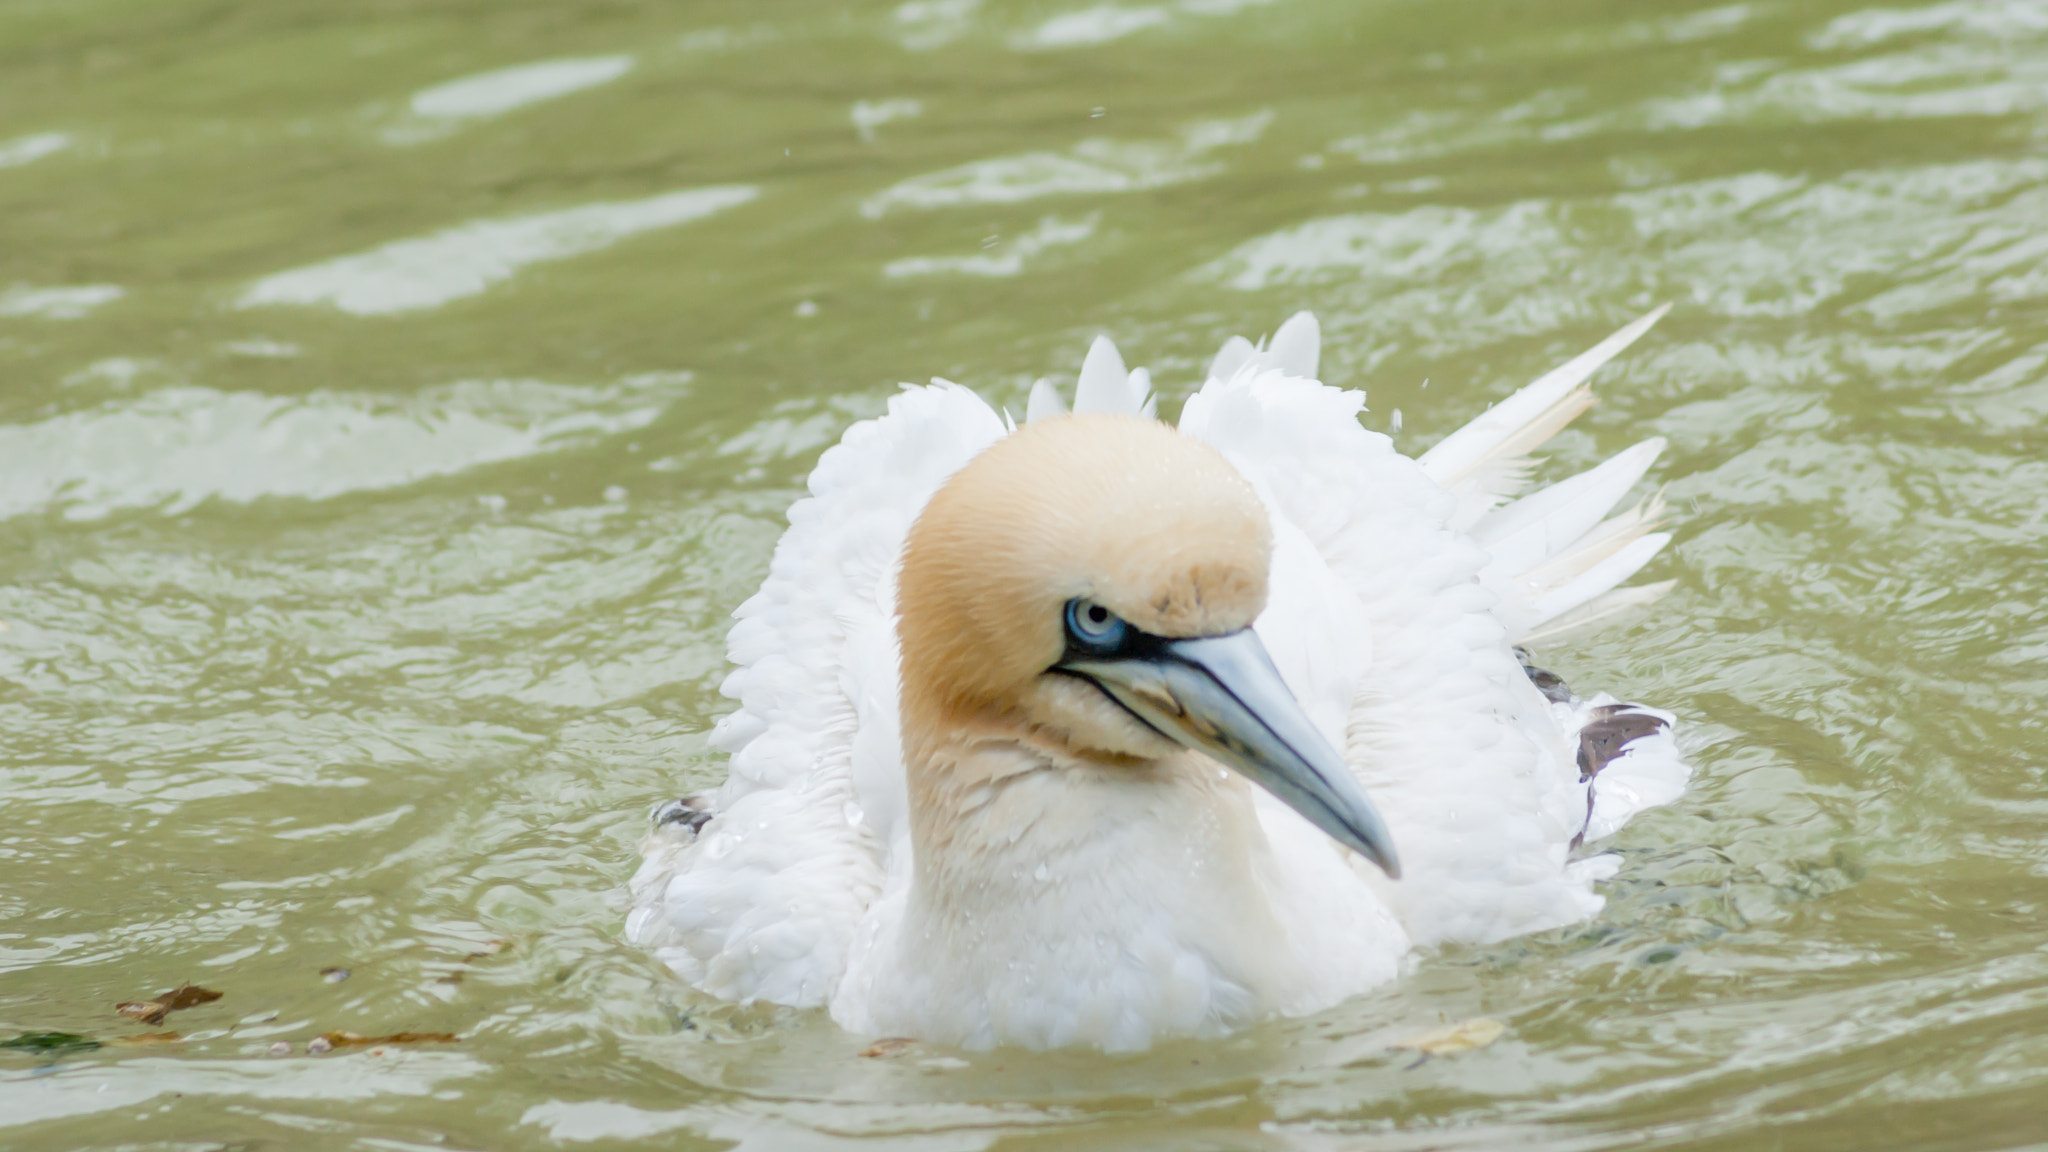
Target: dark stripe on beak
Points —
{"points": [[1222, 695]]}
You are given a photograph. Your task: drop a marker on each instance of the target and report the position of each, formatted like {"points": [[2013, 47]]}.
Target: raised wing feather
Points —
{"points": [[1556, 564], [1473, 769], [1488, 459], [1552, 551], [1105, 386], [1295, 349], [766, 902], [1453, 744]]}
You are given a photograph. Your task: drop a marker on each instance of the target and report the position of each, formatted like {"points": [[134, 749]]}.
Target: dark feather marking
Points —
{"points": [[1549, 683], [691, 812], [1606, 734]]}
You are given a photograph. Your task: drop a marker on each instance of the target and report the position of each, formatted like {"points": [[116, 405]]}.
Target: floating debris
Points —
{"points": [[281, 1048], [51, 1043], [455, 976], [334, 975], [886, 1047], [318, 1045], [327, 1041], [145, 1038], [1451, 1039], [152, 1012]]}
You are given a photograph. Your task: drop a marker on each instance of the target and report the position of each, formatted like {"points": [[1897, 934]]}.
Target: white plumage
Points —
{"points": [[1397, 589]]}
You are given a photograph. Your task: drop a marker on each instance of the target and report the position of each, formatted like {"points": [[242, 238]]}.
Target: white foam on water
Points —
{"points": [[728, 39], [428, 271], [67, 303], [1093, 166], [1759, 244], [789, 1128], [179, 445], [502, 90], [1106, 22], [1097, 25], [1003, 258], [869, 115], [1994, 19], [28, 149], [922, 25], [126, 1085]]}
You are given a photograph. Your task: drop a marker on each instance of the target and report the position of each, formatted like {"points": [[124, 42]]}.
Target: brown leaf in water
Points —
{"points": [[152, 1012], [357, 1040], [886, 1047], [145, 1038], [187, 996], [1452, 1039]]}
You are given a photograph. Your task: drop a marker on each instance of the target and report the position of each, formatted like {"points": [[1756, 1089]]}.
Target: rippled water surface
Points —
{"points": [[398, 397]]}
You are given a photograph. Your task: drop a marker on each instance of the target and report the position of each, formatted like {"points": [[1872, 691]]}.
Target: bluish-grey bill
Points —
{"points": [[1223, 696]]}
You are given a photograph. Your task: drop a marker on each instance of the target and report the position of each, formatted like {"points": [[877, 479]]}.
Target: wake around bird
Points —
{"points": [[1094, 731]]}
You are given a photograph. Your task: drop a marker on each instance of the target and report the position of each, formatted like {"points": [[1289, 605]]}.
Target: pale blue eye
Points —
{"points": [[1094, 627]]}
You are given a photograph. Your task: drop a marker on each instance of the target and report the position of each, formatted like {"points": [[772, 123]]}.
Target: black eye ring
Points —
{"points": [[1093, 628]]}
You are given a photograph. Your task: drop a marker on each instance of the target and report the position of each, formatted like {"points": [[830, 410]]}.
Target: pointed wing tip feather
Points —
{"points": [[1598, 612], [1600, 578], [1105, 383], [1235, 354], [1630, 332], [1045, 401], [1604, 607], [1297, 346], [1651, 511], [1521, 423], [1139, 386]]}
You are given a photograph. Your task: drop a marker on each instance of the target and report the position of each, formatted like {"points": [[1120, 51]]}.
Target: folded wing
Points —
{"points": [[766, 900]]}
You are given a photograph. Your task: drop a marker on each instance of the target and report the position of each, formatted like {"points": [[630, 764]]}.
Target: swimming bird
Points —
{"points": [[1094, 731]]}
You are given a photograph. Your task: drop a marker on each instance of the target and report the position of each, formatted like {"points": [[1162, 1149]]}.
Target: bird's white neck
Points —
{"points": [[1058, 901]]}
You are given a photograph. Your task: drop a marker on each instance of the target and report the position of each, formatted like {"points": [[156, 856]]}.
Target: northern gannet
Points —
{"points": [[1095, 731]]}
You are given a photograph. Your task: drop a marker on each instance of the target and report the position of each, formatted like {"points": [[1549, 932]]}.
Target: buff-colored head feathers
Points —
{"points": [[1125, 511]]}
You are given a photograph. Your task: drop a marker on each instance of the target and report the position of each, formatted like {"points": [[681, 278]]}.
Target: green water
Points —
{"points": [[380, 459]]}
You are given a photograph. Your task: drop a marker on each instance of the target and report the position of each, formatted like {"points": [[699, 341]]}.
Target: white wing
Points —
{"points": [[1104, 386], [1399, 624], [766, 904], [1555, 563], [1389, 623], [1489, 459], [1383, 621]]}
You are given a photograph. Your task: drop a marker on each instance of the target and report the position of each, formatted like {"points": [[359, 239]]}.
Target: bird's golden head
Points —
{"points": [[1088, 585], [1087, 514]]}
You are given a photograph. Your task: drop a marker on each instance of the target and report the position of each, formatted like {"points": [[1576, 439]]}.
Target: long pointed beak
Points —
{"points": [[1223, 696]]}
